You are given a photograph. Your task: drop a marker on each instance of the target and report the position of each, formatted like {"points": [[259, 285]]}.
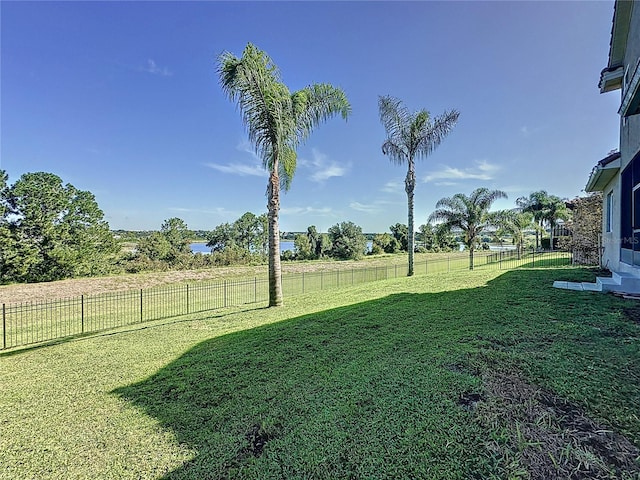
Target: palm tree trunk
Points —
{"points": [[471, 257], [410, 183], [273, 206], [541, 230]]}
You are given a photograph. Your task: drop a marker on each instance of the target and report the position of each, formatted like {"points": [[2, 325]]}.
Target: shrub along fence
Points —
{"points": [[36, 322]]}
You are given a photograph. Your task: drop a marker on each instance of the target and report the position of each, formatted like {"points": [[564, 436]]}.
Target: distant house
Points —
{"points": [[617, 175]]}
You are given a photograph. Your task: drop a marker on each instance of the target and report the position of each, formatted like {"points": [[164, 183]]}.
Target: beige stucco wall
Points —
{"points": [[611, 240]]}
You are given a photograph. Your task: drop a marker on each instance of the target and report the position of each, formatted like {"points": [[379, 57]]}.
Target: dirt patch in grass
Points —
{"points": [[547, 437], [469, 400], [257, 438], [633, 313]]}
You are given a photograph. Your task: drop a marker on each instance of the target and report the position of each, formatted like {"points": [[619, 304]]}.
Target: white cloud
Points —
{"points": [[375, 207], [216, 211], [154, 69], [325, 211], [482, 171], [239, 169], [393, 187], [485, 166], [253, 168], [322, 168], [369, 208], [328, 172], [246, 147]]}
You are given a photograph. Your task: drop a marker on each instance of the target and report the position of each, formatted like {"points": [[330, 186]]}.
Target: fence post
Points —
{"points": [[500, 260], [224, 294], [81, 313], [4, 326], [187, 299], [534, 256], [255, 289], [140, 305]]}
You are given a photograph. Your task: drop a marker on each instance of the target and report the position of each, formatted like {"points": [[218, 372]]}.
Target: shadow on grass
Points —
{"points": [[376, 389], [129, 328]]}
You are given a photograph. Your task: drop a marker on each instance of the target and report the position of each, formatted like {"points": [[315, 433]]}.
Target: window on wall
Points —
{"points": [[629, 205], [609, 211]]}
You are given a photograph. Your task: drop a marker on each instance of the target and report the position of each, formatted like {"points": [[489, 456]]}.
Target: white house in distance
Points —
{"points": [[617, 175]]}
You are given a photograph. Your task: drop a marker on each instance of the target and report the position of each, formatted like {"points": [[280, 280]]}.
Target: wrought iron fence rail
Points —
{"points": [[36, 322]]}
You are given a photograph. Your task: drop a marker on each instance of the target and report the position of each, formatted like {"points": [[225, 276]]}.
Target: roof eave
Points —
{"points": [[611, 79], [602, 175], [617, 46]]}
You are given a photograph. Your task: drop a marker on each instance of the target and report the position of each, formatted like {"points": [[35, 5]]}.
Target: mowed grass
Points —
{"points": [[483, 374]]}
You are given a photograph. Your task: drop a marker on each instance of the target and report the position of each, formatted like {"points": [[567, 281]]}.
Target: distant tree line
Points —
{"points": [[50, 231]]}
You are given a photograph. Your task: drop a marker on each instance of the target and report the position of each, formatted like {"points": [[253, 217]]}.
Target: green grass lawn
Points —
{"points": [[484, 374]]}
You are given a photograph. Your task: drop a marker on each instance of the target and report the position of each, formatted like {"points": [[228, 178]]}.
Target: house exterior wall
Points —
{"points": [[611, 239], [625, 256]]}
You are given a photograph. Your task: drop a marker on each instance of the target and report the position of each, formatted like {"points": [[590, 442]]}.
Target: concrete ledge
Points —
{"points": [[577, 286], [568, 285], [591, 287], [619, 282]]}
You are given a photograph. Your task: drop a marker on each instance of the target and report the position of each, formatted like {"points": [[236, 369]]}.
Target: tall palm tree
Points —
{"points": [[411, 136], [470, 214], [277, 122]]}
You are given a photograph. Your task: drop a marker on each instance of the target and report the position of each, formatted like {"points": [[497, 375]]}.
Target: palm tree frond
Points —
{"points": [[287, 166], [395, 152], [394, 116], [315, 104], [432, 134]]}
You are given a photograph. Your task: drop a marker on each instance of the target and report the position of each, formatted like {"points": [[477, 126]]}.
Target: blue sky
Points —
{"points": [[122, 99]]}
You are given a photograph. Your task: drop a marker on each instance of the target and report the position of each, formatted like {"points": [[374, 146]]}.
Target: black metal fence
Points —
{"points": [[35, 322]]}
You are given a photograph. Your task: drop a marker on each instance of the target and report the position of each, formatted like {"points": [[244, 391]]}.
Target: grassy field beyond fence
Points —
{"points": [[35, 322]]}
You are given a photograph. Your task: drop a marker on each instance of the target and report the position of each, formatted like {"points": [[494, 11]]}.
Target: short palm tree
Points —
{"points": [[545, 209], [469, 214], [555, 209], [410, 136], [515, 223], [535, 204], [277, 122]]}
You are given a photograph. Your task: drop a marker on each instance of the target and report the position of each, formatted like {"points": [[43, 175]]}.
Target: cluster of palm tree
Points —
{"points": [[278, 121], [546, 210], [471, 214]]}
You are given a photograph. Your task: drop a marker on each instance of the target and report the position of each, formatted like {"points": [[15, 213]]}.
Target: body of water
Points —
{"points": [[202, 247], [284, 245]]}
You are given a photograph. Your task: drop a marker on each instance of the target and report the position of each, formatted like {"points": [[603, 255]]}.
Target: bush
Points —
{"points": [[287, 256]]}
